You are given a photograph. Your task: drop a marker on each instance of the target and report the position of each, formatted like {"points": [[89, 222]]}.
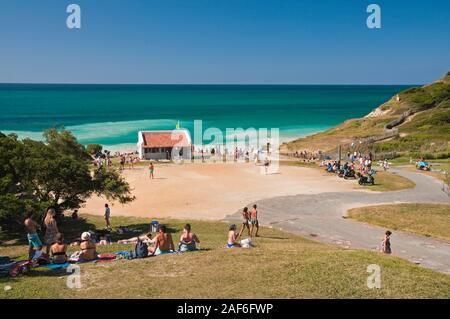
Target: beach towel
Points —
{"points": [[57, 266]]}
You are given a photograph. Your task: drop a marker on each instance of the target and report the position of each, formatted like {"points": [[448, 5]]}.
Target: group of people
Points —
{"points": [[249, 222], [422, 165], [357, 165], [53, 239], [307, 156], [128, 160], [56, 249]]}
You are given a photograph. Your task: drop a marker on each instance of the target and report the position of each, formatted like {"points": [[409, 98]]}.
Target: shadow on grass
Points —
{"points": [[72, 230]]}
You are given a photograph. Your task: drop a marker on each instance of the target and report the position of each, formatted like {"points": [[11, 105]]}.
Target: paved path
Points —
{"points": [[322, 217]]}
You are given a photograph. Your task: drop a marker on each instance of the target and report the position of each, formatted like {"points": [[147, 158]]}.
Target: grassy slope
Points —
{"points": [[388, 182], [423, 219], [282, 265], [427, 131]]}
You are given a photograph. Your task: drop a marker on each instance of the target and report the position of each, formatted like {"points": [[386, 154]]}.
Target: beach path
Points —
{"points": [[322, 217]]}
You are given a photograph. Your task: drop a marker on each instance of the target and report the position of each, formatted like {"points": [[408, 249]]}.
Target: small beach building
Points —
{"points": [[164, 144]]}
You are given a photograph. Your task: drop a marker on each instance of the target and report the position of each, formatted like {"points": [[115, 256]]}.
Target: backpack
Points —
{"points": [[141, 249]]}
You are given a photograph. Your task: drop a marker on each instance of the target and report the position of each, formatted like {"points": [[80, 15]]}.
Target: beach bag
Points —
{"points": [[141, 249], [20, 267], [246, 243]]}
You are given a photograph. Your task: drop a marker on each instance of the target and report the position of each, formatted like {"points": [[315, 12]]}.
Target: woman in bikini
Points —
{"points": [[245, 222], [88, 248], [188, 240], [51, 229], [59, 250]]}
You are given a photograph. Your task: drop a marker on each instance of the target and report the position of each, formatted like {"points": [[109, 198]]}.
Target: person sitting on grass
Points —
{"points": [[232, 237], [59, 250], [188, 240], [88, 248], [163, 242], [145, 238], [104, 241]]}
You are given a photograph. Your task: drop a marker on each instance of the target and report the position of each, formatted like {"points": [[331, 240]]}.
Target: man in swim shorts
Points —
{"points": [[253, 221], [31, 227], [163, 242]]}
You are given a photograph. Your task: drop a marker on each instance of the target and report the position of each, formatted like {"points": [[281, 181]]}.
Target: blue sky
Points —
{"points": [[224, 41]]}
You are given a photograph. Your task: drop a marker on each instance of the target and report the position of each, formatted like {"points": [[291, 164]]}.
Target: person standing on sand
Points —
{"points": [[386, 243], [266, 165], [254, 221], [151, 169], [245, 223], [107, 216], [31, 227]]}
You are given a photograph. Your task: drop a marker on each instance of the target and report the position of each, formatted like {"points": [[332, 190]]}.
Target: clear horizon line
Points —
{"points": [[211, 84]]}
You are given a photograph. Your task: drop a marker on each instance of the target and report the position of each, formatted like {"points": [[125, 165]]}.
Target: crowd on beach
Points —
{"points": [[104, 159], [308, 156], [357, 166]]}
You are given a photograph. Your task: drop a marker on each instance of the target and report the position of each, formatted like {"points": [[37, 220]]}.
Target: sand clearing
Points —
{"points": [[212, 191]]}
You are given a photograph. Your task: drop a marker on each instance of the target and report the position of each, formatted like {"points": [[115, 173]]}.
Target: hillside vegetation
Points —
{"points": [[415, 122]]}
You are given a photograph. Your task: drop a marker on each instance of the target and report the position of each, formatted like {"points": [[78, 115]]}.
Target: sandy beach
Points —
{"points": [[212, 191]]}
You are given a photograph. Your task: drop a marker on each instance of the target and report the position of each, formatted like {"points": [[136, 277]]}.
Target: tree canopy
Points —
{"points": [[53, 173]]}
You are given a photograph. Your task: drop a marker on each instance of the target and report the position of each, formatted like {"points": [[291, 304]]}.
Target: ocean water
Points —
{"points": [[113, 114]]}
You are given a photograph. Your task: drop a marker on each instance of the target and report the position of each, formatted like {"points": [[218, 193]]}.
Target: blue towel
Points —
{"points": [[57, 266]]}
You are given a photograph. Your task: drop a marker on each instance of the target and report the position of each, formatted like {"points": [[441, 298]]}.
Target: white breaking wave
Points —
{"points": [[92, 131]]}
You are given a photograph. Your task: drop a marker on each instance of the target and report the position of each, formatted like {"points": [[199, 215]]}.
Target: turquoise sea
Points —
{"points": [[113, 114]]}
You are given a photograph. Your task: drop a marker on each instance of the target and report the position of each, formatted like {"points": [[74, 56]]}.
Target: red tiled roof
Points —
{"points": [[166, 139]]}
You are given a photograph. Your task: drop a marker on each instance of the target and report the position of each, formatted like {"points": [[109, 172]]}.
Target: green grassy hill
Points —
{"points": [[281, 265], [415, 122]]}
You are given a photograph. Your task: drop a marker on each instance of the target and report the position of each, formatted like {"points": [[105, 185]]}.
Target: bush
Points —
{"points": [[94, 148]]}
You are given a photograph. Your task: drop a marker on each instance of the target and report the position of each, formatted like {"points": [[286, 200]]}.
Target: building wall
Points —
{"points": [[161, 154]]}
